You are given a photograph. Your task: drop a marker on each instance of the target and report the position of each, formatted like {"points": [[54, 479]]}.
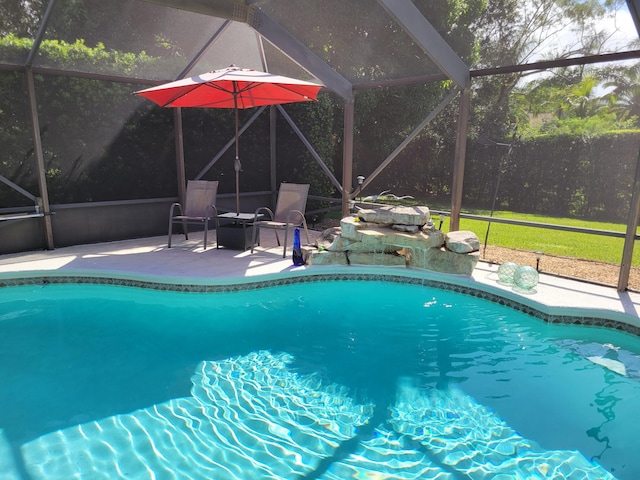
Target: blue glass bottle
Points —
{"points": [[297, 250]]}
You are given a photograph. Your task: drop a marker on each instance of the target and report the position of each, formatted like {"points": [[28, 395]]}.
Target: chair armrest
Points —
{"points": [[173, 206], [291, 214], [259, 210], [212, 211]]}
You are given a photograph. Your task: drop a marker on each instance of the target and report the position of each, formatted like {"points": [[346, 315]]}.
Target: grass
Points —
{"points": [[552, 242], [584, 246]]}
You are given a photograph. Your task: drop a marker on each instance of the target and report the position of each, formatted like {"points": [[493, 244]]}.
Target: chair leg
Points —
{"points": [[206, 231], [217, 228], [284, 250], [306, 231], [253, 236], [185, 228]]}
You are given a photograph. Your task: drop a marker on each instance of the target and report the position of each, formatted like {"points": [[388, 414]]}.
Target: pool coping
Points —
{"points": [[486, 288]]}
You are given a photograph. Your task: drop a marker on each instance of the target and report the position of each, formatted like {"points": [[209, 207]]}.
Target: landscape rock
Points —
{"points": [[428, 227], [350, 226], [444, 261], [342, 244], [406, 228], [379, 259], [396, 236], [387, 236], [325, 258], [327, 237], [396, 215], [462, 241]]}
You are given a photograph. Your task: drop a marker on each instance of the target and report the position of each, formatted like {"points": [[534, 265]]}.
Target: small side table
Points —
{"points": [[236, 230]]}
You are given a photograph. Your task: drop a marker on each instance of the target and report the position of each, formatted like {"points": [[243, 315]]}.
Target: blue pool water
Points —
{"points": [[326, 380]]}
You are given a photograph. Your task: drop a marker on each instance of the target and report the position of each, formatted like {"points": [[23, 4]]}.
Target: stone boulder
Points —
{"points": [[377, 236], [379, 259], [462, 241], [406, 228], [327, 237], [351, 225], [444, 261], [396, 215], [343, 244], [396, 236], [315, 257]]}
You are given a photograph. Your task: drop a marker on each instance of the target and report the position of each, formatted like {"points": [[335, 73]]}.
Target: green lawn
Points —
{"points": [[552, 242]]}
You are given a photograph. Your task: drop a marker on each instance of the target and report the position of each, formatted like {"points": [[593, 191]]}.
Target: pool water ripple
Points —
{"points": [[248, 417], [145, 384]]}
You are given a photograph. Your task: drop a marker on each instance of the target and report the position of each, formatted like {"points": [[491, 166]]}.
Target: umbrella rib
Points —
{"points": [[180, 94], [281, 86], [184, 92], [245, 88]]}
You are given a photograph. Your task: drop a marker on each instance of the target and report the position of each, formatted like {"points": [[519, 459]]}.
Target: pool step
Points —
{"points": [[252, 417], [249, 417], [470, 439], [447, 435]]}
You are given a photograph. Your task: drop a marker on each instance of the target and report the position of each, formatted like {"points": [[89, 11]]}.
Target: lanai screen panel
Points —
{"points": [[19, 22], [239, 44], [17, 162], [277, 62], [236, 44], [101, 143], [124, 38], [357, 38]]}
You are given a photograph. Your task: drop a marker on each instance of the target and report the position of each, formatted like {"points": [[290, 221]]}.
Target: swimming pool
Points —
{"points": [[322, 379]]}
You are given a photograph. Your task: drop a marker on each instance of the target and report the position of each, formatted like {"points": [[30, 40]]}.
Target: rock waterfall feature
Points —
{"points": [[396, 236]]}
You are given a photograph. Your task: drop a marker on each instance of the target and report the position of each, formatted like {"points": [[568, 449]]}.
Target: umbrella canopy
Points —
{"points": [[232, 87]]}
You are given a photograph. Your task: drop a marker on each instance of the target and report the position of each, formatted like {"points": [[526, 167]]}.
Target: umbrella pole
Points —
{"points": [[236, 164], [237, 192]]}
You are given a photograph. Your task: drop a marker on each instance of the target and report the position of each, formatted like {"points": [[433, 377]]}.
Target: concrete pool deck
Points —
{"points": [[150, 258]]}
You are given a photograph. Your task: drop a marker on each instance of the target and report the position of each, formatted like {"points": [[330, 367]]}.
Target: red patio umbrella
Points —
{"points": [[232, 87]]}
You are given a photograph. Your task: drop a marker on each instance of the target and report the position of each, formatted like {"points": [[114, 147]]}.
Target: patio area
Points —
{"points": [[187, 262]]}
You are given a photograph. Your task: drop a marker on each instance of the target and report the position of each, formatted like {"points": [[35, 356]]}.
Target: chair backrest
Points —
{"points": [[291, 196], [200, 194]]}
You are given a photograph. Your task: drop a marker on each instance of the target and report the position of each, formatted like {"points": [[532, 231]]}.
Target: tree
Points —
{"points": [[21, 18], [570, 102], [511, 32], [625, 94]]}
